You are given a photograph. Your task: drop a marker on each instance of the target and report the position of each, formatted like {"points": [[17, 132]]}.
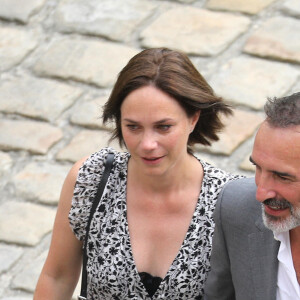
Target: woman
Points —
{"points": [[150, 237]]}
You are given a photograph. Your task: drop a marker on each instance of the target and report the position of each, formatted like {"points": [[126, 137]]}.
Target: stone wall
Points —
{"points": [[58, 62]]}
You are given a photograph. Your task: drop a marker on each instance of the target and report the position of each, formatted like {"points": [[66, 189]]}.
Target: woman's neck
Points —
{"points": [[188, 171]]}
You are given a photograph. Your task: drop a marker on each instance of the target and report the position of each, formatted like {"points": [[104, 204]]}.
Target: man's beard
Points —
{"points": [[281, 224]]}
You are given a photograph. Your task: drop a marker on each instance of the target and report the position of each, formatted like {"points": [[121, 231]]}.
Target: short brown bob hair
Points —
{"points": [[173, 73]]}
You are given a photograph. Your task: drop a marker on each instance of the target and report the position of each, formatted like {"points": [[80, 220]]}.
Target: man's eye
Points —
{"points": [[251, 161], [283, 178]]}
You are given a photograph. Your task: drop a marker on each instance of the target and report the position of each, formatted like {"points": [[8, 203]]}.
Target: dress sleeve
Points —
{"points": [[88, 178]]}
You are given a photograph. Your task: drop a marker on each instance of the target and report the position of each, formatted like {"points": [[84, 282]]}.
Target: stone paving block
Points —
{"points": [[41, 182], [24, 223], [12, 10], [89, 113], [85, 143], [184, 1], [239, 128], [28, 277], [249, 81], [89, 61], [277, 38], [295, 88], [16, 298], [8, 256], [15, 45], [38, 98], [5, 163], [194, 31], [32, 136], [112, 19], [250, 7], [291, 7]]}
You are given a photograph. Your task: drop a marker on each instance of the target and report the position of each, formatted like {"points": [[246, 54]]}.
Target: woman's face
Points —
{"points": [[155, 129]]}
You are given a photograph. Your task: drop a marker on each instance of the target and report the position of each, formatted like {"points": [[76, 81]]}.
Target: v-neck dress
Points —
{"points": [[112, 273]]}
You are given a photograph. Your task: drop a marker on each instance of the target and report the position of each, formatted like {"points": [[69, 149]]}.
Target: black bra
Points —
{"points": [[150, 282]]}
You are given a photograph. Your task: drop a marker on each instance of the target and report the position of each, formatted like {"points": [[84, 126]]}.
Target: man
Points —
{"points": [[256, 244]]}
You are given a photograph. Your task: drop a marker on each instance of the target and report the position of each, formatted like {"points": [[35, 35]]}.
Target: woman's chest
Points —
{"points": [[113, 268], [156, 236]]}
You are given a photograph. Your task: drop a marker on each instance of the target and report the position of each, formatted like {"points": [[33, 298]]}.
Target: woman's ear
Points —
{"points": [[194, 119]]}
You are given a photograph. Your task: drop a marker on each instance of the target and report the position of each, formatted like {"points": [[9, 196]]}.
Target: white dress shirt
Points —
{"points": [[287, 284]]}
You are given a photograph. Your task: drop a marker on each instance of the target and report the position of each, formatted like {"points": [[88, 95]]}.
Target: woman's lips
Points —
{"points": [[152, 160]]}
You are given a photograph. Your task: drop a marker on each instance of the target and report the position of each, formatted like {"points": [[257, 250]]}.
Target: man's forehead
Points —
{"points": [[278, 149]]}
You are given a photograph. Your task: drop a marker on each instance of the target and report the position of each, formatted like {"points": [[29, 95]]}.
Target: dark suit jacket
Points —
{"points": [[244, 252]]}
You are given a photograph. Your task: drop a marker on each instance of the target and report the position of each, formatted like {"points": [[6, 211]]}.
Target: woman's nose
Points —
{"points": [[148, 141]]}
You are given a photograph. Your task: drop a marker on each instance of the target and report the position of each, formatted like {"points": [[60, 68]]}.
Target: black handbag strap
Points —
{"points": [[108, 164]]}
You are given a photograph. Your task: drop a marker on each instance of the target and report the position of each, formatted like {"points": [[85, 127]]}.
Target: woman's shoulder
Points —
{"points": [[216, 174], [88, 178], [95, 162]]}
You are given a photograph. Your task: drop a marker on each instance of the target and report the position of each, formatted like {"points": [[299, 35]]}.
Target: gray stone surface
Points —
{"points": [[277, 38], [84, 60], [291, 7], [239, 127], [195, 31], [28, 277], [85, 143], [89, 113], [32, 136], [24, 223], [12, 10], [58, 62], [182, 1], [8, 256], [38, 98], [17, 298], [115, 20], [249, 81], [250, 7], [6, 163], [41, 182], [15, 44]]}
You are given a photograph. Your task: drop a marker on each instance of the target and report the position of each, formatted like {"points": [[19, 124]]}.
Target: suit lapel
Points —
{"points": [[263, 249]]}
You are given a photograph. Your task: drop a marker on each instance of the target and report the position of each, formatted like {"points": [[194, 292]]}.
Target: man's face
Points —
{"points": [[276, 155]]}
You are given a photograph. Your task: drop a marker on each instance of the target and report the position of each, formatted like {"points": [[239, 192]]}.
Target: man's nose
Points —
{"points": [[265, 187]]}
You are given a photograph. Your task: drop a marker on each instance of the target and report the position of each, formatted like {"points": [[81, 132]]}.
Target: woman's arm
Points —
{"points": [[61, 270]]}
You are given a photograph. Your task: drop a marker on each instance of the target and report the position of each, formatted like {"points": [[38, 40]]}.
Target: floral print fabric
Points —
{"points": [[112, 273]]}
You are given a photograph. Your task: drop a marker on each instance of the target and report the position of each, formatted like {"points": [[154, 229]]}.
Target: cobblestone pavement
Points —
{"points": [[58, 62]]}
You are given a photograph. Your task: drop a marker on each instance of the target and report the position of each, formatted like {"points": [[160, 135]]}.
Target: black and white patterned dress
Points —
{"points": [[112, 273]]}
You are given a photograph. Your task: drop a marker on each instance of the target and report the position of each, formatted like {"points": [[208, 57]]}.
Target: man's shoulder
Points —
{"points": [[237, 206], [241, 186], [238, 195]]}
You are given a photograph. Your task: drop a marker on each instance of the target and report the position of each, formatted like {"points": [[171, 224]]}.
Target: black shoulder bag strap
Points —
{"points": [[108, 164]]}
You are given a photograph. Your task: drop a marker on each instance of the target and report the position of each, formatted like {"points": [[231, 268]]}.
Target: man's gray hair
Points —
{"points": [[283, 112]]}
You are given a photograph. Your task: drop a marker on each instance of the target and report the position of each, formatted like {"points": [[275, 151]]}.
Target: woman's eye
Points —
{"points": [[164, 127], [132, 127]]}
